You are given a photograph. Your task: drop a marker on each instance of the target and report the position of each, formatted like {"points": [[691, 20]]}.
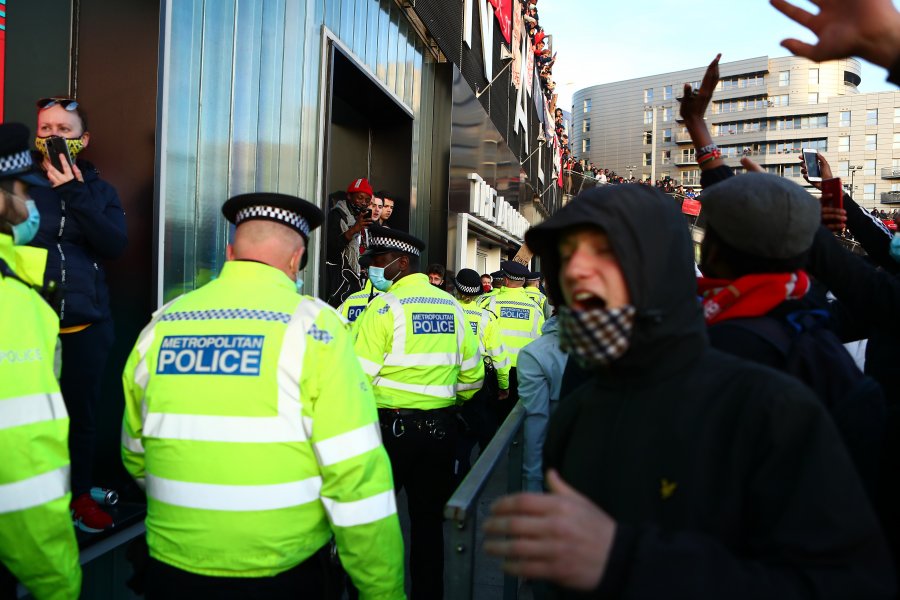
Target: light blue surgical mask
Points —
{"points": [[895, 247], [299, 283], [25, 231], [379, 281]]}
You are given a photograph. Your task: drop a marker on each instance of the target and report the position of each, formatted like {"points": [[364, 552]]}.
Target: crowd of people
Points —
{"points": [[692, 430]]}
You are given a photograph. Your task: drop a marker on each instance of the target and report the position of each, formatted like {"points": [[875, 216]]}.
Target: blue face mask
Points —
{"points": [[25, 231], [895, 247], [376, 276]]}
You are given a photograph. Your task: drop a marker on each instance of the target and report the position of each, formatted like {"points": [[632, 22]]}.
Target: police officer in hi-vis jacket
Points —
{"points": [[252, 453], [422, 357]]}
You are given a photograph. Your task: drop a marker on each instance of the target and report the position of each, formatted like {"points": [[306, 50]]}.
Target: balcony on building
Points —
{"points": [[890, 173], [890, 197]]}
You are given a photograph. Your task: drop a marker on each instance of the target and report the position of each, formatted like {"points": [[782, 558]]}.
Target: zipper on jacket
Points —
{"points": [[62, 259]]}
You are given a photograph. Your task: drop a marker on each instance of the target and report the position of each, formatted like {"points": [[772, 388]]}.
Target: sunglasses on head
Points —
{"points": [[66, 103]]}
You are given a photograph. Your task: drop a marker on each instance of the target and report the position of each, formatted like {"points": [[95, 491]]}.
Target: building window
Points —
{"points": [[814, 76], [869, 168], [843, 168], [844, 143], [869, 191], [895, 165], [695, 85], [585, 126], [667, 114], [897, 116], [792, 171], [666, 157], [585, 145], [781, 100], [872, 116], [688, 156], [647, 159], [647, 137], [871, 142], [784, 78], [667, 92], [667, 135], [648, 117], [897, 141], [648, 95], [845, 118], [812, 98], [587, 106]]}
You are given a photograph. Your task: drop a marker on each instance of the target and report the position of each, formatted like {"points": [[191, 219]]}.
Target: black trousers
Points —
{"points": [[8, 584], [84, 357], [421, 448], [165, 582], [500, 409]]}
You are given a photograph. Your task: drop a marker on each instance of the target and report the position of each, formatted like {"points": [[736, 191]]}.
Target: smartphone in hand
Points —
{"points": [[833, 193], [811, 162], [56, 146]]}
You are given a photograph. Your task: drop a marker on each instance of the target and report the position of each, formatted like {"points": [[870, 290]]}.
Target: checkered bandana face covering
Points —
{"points": [[597, 336]]}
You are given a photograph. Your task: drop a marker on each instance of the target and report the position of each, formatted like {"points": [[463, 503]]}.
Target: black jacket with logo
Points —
{"points": [[727, 479]]}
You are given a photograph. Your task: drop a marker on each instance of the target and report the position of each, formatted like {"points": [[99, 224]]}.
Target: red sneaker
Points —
{"points": [[88, 516]]}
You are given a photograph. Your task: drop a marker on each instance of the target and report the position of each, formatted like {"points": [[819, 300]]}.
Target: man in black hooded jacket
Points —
{"points": [[677, 470]]}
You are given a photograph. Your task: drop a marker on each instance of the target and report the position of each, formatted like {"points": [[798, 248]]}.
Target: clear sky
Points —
{"points": [[602, 41]]}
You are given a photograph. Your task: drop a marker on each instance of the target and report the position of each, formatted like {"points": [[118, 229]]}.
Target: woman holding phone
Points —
{"points": [[82, 223]]}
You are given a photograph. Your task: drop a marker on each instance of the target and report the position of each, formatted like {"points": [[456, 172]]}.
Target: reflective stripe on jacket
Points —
{"points": [[521, 319], [255, 433], [37, 540], [486, 327], [417, 348]]}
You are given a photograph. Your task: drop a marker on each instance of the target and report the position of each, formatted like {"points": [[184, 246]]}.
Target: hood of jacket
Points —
{"points": [[651, 241]]}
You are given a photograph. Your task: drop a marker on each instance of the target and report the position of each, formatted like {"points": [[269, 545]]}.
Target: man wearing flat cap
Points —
{"points": [[37, 540], [676, 470], [251, 452], [422, 358], [521, 320], [345, 239]]}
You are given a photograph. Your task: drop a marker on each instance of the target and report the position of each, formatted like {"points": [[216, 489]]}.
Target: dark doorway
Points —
{"points": [[369, 134]]}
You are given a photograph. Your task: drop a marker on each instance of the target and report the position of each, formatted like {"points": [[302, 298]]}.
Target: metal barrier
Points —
{"points": [[462, 508]]}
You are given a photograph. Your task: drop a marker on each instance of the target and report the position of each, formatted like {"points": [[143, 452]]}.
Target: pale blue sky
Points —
{"points": [[601, 41]]}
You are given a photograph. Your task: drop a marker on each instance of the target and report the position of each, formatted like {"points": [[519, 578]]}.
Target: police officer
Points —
{"points": [[414, 342], [476, 413], [532, 288], [521, 321], [252, 453], [37, 540]]}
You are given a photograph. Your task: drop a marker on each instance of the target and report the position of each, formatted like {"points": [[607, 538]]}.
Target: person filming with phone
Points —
{"points": [[346, 235], [82, 223]]}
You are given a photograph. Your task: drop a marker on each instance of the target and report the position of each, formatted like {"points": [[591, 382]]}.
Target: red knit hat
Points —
{"points": [[360, 185]]}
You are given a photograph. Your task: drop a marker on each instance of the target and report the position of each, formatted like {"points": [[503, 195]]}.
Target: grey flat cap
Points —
{"points": [[762, 215]]}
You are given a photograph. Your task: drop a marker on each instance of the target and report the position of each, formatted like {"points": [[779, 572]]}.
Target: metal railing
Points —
{"points": [[890, 197], [462, 511], [890, 173]]}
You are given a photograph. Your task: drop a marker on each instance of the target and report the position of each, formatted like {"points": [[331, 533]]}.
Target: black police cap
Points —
{"points": [[468, 282], [384, 239], [513, 270], [15, 157]]}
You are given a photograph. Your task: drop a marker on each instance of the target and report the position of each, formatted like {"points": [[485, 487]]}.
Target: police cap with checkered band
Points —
{"points": [[15, 157], [468, 282], [385, 239], [290, 211], [513, 270]]}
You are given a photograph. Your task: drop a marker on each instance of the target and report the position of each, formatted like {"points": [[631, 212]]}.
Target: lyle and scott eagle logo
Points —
{"points": [[667, 488]]}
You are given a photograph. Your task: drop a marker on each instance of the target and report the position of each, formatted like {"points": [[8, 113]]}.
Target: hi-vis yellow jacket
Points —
{"points": [[415, 344], [251, 449], [486, 327], [37, 540], [353, 306], [521, 319]]}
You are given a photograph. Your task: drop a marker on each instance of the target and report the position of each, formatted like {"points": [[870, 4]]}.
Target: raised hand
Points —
{"points": [[869, 29], [695, 102]]}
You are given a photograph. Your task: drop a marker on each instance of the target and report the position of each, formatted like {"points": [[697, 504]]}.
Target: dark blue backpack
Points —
{"points": [[815, 355]]}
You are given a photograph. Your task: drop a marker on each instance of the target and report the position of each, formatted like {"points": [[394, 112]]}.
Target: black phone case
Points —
{"points": [[55, 147]]}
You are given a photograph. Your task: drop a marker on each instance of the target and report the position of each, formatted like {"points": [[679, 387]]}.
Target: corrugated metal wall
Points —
{"points": [[241, 92]]}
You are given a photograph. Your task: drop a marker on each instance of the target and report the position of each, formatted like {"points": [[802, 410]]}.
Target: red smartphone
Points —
{"points": [[832, 193]]}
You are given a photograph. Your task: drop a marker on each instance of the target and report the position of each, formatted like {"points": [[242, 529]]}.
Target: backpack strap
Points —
{"points": [[768, 329]]}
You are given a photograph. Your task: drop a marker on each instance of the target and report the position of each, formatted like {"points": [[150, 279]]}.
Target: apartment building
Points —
{"points": [[764, 108]]}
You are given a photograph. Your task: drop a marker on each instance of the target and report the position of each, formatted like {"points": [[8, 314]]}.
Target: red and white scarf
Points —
{"points": [[750, 295]]}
